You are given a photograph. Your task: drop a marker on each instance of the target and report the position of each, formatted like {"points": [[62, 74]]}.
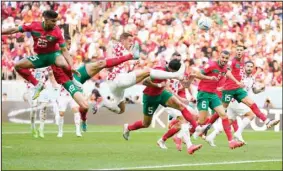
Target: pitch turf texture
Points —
{"points": [[103, 147]]}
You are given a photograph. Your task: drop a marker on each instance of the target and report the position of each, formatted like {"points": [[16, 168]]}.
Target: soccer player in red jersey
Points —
{"points": [[154, 95], [207, 96], [233, 90], [49, 46]]}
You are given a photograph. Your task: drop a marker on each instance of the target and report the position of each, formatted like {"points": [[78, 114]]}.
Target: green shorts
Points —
{"points": [[151, 103], [71, 88], [237, 94], [84, 75], [44, 60], [205, 100]]}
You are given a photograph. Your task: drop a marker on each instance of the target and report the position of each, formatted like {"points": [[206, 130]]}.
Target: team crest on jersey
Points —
{"points": [[238, 66], [50, 38]]}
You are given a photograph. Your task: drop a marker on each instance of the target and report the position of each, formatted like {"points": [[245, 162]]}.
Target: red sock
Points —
{"points": [[135, 126], [206, 121], [227, 128], [116, 61], [170, 133], [173, 122], [257, 112], [235, 125], [26, 74], [189, 117], [83, 113], [213, 118]]}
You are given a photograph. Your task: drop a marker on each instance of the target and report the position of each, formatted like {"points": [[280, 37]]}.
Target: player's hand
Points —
{"points": [[76, 72], [219, 88], [240, 84], [162, 84], [193, 100], [213, 78]]}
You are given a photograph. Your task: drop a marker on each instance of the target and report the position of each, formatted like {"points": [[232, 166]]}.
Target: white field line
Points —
{"points": [[7, 146], [193, 164], [111, 131]]}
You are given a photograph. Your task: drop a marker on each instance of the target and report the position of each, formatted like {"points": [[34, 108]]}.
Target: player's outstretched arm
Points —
{"points": [[201, 76], [10, 31], [230, 76], [147, 82]]}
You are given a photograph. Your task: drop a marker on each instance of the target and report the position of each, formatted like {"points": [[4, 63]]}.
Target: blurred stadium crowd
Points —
{"points": [[161, 28]]}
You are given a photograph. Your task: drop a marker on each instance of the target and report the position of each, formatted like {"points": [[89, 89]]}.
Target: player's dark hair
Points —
{"points": [[240, 45], [225, 52], [251, 62], [125, 36], [175, 64], [50, 14]]}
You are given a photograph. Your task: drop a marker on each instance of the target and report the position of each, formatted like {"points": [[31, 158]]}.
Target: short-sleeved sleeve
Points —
{"points": [[26, 27]]}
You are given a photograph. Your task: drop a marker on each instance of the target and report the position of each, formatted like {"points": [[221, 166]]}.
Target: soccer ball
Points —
{"points": [[204, 23]]}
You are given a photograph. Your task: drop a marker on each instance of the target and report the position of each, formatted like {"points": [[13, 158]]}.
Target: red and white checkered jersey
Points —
{"points": [[41, 74], [119, 50], [64, 92], [175, 85]]}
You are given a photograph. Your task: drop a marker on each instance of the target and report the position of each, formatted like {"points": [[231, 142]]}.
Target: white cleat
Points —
{"points": [[40, 133], [126, 132], [210, 141], [239, 137], [272, 123], [198, 131], [60, 134], [161, 144], [79, 134]]}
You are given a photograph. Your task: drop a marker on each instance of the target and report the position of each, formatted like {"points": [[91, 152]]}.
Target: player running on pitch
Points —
{"points": [[207, 97], [239, 109]]}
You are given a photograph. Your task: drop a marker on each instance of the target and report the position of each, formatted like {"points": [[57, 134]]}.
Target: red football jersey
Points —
{"points": [[155, 91], [213, 69], [44, 41], [237, 69]]}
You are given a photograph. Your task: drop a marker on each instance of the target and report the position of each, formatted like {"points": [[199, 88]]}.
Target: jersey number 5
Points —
{"points": [[150, 110]]}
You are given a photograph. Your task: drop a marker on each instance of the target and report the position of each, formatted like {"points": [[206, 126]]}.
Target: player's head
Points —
{"points": [[224, 57], [127, 40], [174, 65], [50, 19], [95, 95], [240, 50], [176, 55], [249, 66]]}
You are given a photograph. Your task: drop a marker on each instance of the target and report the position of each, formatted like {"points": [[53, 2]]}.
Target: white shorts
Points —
{"points": [[117, 87], [64, 101], [237, 109]]}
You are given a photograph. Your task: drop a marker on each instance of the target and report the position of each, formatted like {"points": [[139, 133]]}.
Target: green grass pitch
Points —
{"points": [[103, 147]]}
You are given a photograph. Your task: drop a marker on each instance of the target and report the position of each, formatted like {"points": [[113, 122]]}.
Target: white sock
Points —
{"points": [[42, 115], [179, 134], [186, 136], [213, 135], [246, 121], [61, 123], [159, 74], [77, 120], [32, 118]]}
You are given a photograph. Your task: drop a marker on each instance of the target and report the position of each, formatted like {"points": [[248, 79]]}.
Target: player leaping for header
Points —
{"points": [[118, 81], [47, 39]]}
